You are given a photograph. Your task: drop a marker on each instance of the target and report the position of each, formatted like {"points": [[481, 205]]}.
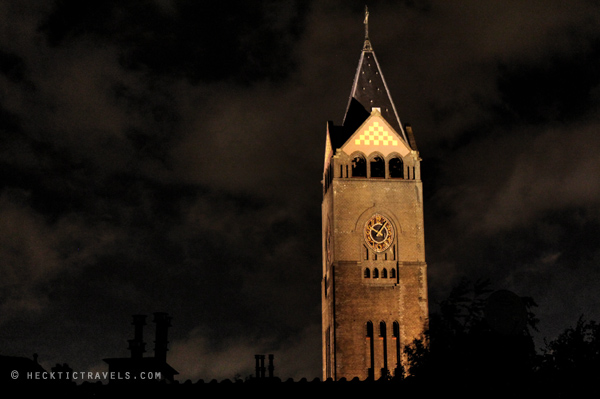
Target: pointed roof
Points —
{"points": [[369, 90]]}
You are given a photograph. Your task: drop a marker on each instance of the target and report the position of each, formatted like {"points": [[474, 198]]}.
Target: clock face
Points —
{"points": [[379, 233]]}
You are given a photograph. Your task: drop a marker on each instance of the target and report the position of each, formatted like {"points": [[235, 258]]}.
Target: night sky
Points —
{"points": [[167, 156]]}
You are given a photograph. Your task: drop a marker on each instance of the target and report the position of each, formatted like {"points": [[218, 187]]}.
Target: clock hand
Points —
{"points": [[381, 228]]}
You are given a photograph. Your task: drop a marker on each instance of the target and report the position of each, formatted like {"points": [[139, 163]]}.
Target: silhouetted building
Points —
{"points": [[374, 281], [18, 369], [138, 368]]}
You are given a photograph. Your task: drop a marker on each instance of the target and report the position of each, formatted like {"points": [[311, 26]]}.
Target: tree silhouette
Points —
{"points": [[462, 344], [576, 351]]}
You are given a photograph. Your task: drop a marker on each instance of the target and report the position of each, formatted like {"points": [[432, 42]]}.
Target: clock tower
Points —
{"points": [[374, 282]]}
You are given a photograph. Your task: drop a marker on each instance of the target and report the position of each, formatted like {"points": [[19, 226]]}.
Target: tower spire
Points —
{"points": [[369, 90]]}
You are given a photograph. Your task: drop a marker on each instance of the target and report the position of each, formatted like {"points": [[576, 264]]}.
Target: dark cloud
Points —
{"points": [[166, 155], [203, 42]]}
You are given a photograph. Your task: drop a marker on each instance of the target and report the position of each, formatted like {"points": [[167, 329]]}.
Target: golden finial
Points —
{"points": [[366, 23], [367, 45]]}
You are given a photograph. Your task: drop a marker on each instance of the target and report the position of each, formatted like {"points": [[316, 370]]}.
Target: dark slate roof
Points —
{"points": [[143, 364], [338, 135], [369, 90]]}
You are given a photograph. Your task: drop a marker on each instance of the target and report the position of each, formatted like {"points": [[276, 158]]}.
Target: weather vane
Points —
{"points": [[367, 46], [366, 22]]}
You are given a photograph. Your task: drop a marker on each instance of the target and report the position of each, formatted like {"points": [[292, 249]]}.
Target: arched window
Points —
{"points": [[359, 166], [369, 329], [383, 335], [367, 273], [375, 273], [384, 273], [396, 335], [370, 350], [396, 168], [377, 167], [392, 273]]}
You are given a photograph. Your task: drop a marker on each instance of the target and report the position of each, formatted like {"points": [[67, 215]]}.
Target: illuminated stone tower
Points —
{"points": [[374, 283]]}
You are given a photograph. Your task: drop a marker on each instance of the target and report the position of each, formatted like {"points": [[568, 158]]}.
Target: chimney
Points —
{"points": [[260, 366], [257, 366], [137, 345], [271, 366], [163, 322]]}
